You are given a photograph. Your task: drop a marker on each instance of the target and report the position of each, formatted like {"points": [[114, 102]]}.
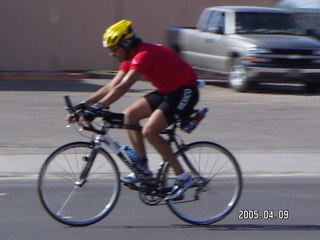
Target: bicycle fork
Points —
{"points": [[89, 163]]}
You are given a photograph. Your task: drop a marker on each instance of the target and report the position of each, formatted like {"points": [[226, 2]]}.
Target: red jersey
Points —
{"points": [[161, 66]]}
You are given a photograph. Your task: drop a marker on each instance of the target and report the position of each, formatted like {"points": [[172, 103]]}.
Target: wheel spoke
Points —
{"points": [[73, 201], [65, 202], [219, 189]]}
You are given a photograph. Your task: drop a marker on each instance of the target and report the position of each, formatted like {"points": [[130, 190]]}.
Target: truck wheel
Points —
{"points": [[312, 87], [238, 76]]}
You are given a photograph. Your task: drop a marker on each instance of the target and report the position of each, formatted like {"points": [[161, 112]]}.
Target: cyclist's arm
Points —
{"points": [[103, 91], [121, 88]]}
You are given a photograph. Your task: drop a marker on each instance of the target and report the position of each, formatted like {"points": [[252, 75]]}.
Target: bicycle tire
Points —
{"points": [[61, 195], [219, 196]]}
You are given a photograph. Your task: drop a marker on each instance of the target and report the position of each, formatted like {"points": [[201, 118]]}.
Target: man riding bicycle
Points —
{"points": [[175, 96]]}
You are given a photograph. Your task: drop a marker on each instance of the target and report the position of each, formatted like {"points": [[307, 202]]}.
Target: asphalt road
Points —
{"points": [[22, 216], [273, 131]]}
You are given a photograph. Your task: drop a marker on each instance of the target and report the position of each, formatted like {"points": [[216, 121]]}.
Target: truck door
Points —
{"points": [[214, 43], [208, 47]]}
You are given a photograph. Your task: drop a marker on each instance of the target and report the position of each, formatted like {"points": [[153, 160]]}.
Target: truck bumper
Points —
{"points": [[261, 74]]}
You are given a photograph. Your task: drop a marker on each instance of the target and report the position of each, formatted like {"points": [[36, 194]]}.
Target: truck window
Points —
{"points": [[203, 20], [221, 23], [309, 21], [216, 23], [266, 23]]}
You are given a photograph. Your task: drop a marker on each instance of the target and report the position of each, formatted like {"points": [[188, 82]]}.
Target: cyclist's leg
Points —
{"points": [[137, 111], [151, 131], [175, 105], [140, 109]]}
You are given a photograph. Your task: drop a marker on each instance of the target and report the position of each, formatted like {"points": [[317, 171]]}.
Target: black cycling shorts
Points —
{"points": [[178, 104]]}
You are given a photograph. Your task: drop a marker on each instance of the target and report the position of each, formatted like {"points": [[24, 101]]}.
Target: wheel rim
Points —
{"points": [[219, 196], [237, 77], [70, 202]]}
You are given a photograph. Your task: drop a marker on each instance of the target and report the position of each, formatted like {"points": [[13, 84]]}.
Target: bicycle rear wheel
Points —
{"points": [[74, 202], [219, 184]]}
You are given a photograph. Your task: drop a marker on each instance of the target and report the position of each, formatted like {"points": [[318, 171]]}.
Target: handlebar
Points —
{"points": [[116, 120], [79, 110], [69, 106]]}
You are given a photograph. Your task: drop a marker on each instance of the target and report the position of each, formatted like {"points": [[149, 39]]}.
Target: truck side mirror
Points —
{"points": [[216, 29], [310, 32]]}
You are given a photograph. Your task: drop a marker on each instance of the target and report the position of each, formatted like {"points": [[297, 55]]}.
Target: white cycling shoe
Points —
{"points": [[183, 182], [132, 177]]}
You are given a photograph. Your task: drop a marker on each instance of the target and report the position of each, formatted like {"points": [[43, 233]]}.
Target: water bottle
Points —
{"points": [[131, 153], [193, 123]]}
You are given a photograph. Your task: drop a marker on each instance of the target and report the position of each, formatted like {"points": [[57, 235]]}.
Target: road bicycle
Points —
{"points": [[79, 183]]}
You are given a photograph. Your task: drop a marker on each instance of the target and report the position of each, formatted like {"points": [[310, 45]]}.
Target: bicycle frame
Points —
{"points": [[117, 123], [115, 147]]}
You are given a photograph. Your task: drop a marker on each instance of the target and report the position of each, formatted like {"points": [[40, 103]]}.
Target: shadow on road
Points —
{"points": [[56, 85], [263, 227], [48, 85], [227, 227], [281, 89]]}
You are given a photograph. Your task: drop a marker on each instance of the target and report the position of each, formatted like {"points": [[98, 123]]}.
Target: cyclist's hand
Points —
{"points": [[73, 114], [72, 117], [91, 113]]}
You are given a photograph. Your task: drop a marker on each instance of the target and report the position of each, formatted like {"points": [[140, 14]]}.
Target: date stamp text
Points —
{"points": [[255, 214]]}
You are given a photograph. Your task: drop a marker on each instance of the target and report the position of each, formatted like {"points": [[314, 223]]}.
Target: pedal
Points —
{"points": [[132, 186], [180, 198]]}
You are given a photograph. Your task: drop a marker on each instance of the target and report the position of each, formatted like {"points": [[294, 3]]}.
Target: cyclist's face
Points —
{"points": [[118, 53]]}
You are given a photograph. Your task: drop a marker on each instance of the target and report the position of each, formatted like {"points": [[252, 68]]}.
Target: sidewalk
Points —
{"points": [[251, 164]]}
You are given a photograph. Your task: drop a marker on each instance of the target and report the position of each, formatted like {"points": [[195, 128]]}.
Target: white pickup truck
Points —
{"points": [[250, 45]]}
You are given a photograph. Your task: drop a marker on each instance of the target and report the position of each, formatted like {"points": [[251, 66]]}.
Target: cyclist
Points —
{"points": [[175, 96]]}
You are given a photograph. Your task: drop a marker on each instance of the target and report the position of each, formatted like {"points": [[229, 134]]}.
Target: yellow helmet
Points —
{"points": [[115, 34]]}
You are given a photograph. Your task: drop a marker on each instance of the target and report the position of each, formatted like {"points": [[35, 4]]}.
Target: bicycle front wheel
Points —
{"points": [[219, 183], [74, 201]]}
